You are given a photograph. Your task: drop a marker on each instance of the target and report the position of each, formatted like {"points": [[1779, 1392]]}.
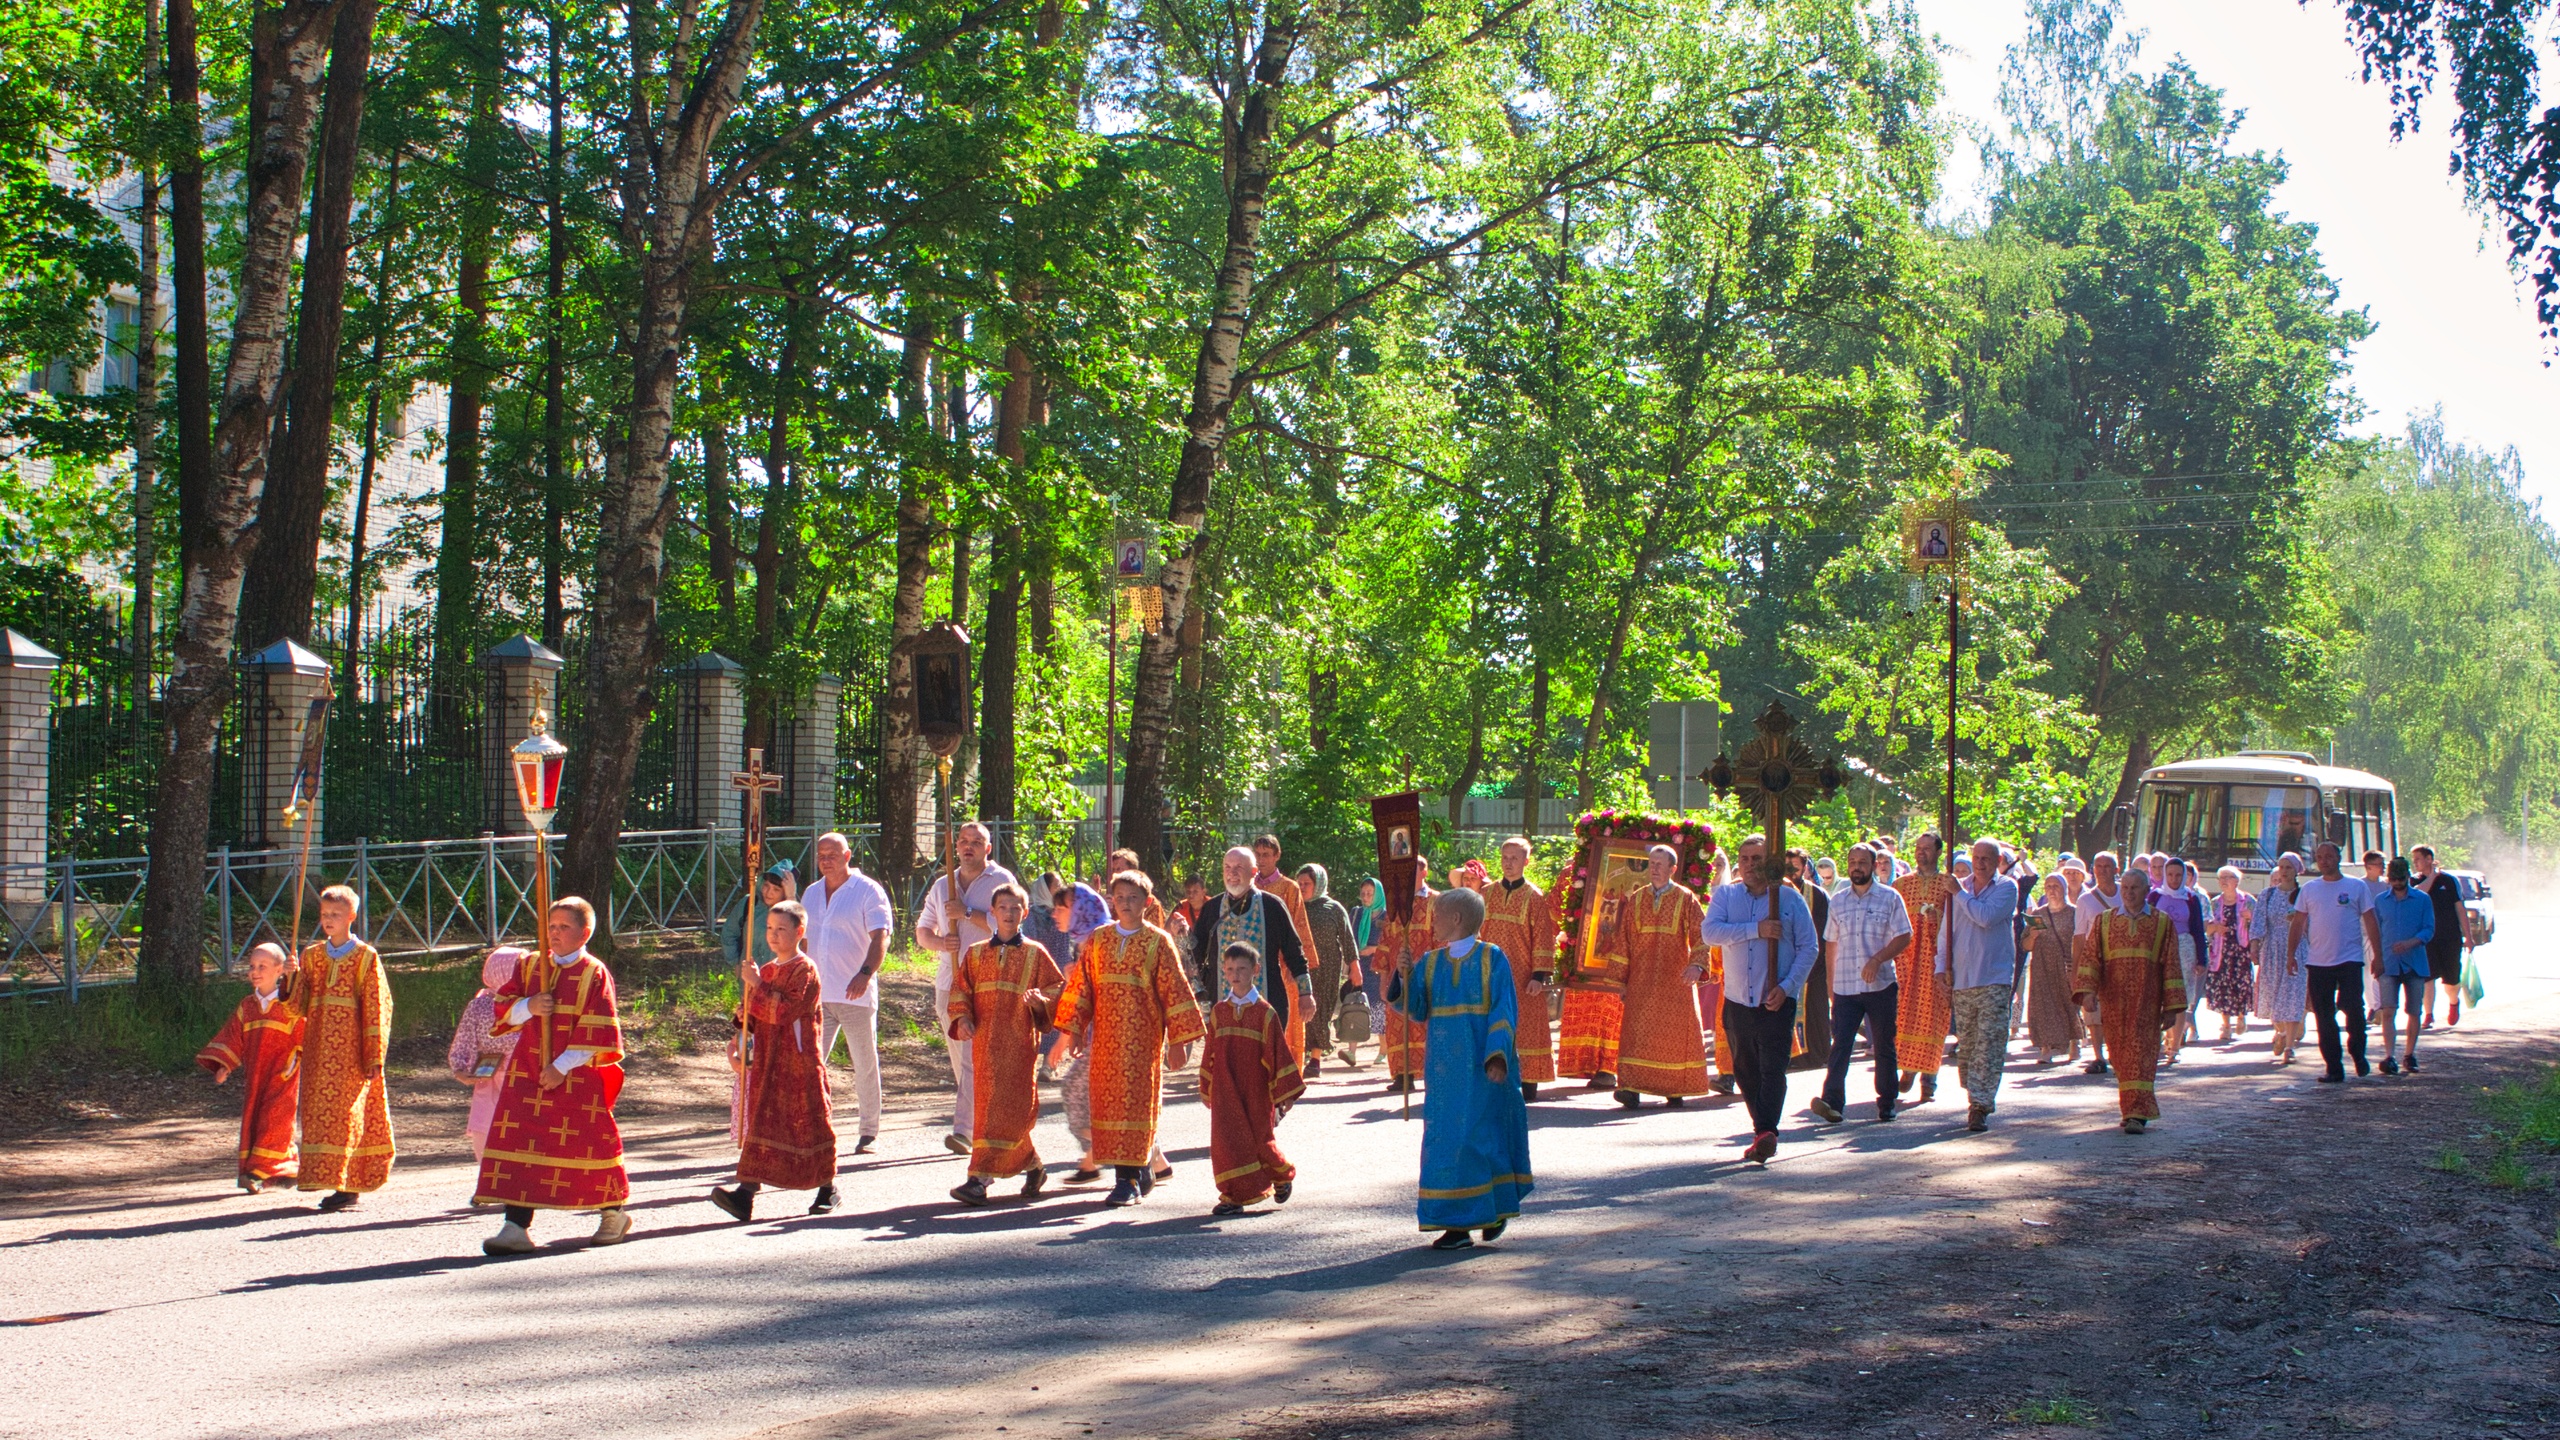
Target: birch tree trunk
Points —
{"points": [[902, 753], [284, 575], [1252, 158], [289, 41]]}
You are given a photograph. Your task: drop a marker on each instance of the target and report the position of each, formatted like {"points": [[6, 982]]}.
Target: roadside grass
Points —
{"points": [[2059, 1410], [2523, 1125]]}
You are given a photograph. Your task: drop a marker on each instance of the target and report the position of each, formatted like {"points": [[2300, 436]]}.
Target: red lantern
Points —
{"points": [[538, 760]]}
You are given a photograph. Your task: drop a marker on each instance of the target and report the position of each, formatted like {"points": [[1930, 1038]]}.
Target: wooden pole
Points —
{"points": [[1947, 805], [1110, 715], [542, 977]]}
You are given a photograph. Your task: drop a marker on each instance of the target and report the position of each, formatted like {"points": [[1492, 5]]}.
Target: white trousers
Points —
{"points": [[964, 1075], [860, 1026]]}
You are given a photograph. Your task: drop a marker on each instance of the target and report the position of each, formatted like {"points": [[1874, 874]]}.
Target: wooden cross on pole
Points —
{"points": [[757, 782]]}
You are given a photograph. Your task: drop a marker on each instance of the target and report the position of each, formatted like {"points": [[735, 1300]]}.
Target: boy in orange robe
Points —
{"points": [[1400, 1041], [346, 1110], [1128, 984], [787, 1138], [1518, 919], [263, 1042], [1662, 1047], [553, 1143], [1249, 1082], [1000, 1004]]}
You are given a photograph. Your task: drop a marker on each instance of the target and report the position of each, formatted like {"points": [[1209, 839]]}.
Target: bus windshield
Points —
{"points": [[2213, 825]]}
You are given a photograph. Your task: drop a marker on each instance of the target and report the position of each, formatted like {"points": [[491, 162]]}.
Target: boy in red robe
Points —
{"points": [[263, 1042], [1249, 1081], [553, 1143], [787, 1137], [1000, 998]]}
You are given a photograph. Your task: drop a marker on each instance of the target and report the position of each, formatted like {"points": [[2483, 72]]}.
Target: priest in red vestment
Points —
{"points": [[553, 1143], [1518, 918], [1249, 1082], [262, 1043], [787, 1136], [1661, 1045]]}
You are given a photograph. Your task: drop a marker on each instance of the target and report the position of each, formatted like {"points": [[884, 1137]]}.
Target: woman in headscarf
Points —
{"points": [[1337, 957], [2053, 1019], [476, 1059]]}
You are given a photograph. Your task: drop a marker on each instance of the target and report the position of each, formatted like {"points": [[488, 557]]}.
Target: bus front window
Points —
{"points": [[2265, 821], [2181, 817]]}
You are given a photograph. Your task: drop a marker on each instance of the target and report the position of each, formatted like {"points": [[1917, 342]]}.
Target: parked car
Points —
{"points": [[2477, 899]]}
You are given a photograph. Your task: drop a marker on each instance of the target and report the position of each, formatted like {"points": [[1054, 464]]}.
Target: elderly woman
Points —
{"points": [[2230, 983], [1337, 957], [2053, 1019], [2281, 997]]}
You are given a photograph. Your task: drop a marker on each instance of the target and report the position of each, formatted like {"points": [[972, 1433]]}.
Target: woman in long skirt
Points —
{"points": [[2282, 988], [2230, 984], [2053, 1021]]}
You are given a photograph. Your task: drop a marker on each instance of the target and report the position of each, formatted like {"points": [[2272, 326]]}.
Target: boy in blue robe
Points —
{"points": [[1475, 1126]]}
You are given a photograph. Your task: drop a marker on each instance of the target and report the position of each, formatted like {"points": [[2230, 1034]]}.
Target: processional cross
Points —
{"points": [[757, 782]]}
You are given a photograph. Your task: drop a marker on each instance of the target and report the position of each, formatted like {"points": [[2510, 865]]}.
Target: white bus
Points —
{"points": [[2244, 810]]}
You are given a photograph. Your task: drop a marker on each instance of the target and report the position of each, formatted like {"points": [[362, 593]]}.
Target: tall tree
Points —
{"points": [[284, 574], [289, 45]]}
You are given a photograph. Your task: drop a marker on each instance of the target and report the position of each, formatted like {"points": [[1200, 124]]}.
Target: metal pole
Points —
{"points": [[222, 886], [70, 930], [489, 886], [363, 887]]}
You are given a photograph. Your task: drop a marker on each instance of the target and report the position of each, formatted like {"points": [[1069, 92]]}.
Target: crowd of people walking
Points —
{"points": [[1473, 998]]}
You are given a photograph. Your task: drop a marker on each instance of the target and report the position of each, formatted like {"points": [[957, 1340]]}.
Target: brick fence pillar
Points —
{"points": [[284, 679], [26, 770], [711, 738], [810, 769]]}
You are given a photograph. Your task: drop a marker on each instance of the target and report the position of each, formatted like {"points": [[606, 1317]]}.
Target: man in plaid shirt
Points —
{"points": [[1869, 926]]}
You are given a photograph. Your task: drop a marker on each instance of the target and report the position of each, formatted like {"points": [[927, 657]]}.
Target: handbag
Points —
{"points": [[1352, 1022]]}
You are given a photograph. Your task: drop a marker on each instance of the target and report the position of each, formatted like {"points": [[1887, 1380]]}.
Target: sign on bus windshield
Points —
{"points": [[2213, 825]]}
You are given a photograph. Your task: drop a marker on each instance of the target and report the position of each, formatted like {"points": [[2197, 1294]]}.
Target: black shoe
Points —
{"points": [[1829, 1112], [1528, 1089], [2410, 1064], [2362, 1069], [337, 1200], [1034, 1180], [1677, 1102], [1629, 1098], [740, 1203], [1082, 1176], [1226, 1207], [2390, 1066], [1155, 1175], [972, 1191], [863, 1145], [1977, 1118], [823, 1201], [1280, 1193], [1124, 1188], [1494, 1231], [1315, 1067], [1884, 1110], [1723, 1085], [1601, 1081], [1453, 1240], [2333, 1077]]}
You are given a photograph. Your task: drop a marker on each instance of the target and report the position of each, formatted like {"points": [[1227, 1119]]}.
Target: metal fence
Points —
{"points": [[75, 923]]}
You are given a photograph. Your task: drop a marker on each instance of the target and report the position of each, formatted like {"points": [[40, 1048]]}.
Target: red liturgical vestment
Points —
{"points": [[788, 1140], [1003, 987], [559, 1149], [261, 1045], [1246, 1075], [1130, 989]]}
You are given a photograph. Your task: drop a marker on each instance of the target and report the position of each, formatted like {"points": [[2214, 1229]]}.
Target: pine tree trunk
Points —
{"points": [[369, 456], [193, 367], [762, 644], [146, 414], [289, 45], [457, 609], [284, 576], [555, 409]]}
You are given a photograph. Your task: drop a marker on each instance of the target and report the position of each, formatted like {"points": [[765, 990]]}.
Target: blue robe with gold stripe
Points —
{"points": [[1475, 1131]]}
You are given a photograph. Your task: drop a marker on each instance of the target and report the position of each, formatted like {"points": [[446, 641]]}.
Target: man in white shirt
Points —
{"points": [[2335, 913], [949, 937], [2099, 898], [849, 920], [1869, 926]]}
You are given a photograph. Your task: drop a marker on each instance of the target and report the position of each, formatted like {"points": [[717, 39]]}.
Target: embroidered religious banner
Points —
{"points": [[1399, 822], [1610, 865]]}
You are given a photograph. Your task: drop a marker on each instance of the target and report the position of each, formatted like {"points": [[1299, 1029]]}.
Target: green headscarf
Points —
{"points": [[1365, 918]]}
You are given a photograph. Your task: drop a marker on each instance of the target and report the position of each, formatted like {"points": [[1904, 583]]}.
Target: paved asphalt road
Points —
{"points": [[195, 1311]]}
